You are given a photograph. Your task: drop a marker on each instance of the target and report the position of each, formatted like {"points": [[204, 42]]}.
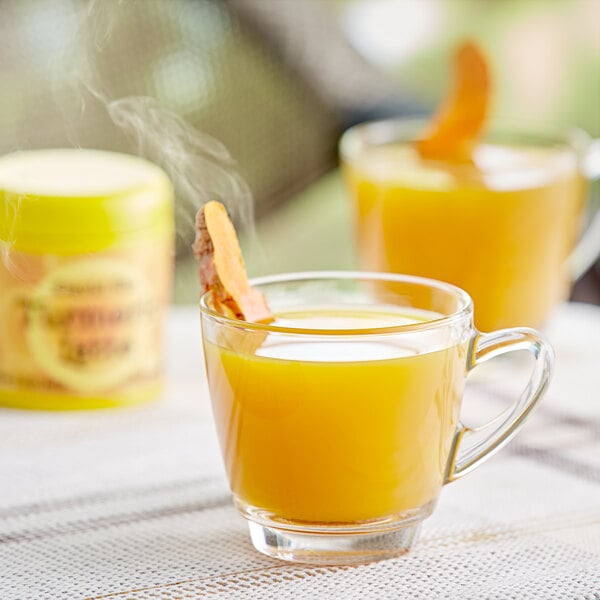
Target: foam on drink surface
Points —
{"points": [[346, 347], [497, 167]]}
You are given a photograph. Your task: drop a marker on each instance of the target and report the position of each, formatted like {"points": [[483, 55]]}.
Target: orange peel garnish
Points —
{"points": [[456, 125], [221, 267]]}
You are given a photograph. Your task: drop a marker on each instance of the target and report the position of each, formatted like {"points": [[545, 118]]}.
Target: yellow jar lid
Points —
{"points": [[66, 201]]}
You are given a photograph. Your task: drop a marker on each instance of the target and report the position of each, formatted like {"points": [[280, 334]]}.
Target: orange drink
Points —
{"points": [[339, 421], [502, 228], [362, 458]]}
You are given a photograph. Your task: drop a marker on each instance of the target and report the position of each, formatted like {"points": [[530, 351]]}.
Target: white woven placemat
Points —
{"points": [[133, 504]]}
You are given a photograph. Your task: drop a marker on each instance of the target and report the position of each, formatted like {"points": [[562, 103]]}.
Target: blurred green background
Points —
{"points": [[276, 82]]}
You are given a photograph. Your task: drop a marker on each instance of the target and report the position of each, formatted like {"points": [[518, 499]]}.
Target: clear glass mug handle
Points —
{"points": [[588, 248], [465, 456]]}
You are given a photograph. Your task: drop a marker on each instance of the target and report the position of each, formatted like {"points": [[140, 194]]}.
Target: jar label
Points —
{"points": [[89, 324]]}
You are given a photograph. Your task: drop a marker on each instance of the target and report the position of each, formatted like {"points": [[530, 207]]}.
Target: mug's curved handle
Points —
{"points": [[588, 248], [501, 429]]}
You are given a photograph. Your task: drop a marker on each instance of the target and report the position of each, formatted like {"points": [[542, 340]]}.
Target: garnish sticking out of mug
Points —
{"points": [[221, 267], [455, 127]]}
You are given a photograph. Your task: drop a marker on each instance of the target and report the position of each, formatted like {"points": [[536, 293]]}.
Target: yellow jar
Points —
{"points": [[86, 254]]}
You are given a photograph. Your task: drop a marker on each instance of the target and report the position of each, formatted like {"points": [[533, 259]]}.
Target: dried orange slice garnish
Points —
{"points": [[221, 267], [453, 131]]}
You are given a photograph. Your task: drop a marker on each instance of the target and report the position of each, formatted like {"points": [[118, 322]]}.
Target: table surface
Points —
{"points": [[134, 504]]}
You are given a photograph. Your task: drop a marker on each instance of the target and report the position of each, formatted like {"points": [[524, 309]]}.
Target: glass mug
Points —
{"points": [[505, 232], [339, 423]]}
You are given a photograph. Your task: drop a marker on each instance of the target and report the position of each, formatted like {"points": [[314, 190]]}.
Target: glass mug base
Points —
{"points": [[335, 544]]}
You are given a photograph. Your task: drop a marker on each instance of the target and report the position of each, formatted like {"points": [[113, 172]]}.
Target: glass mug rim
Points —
{"points": [[463, 311], [378, 132]]}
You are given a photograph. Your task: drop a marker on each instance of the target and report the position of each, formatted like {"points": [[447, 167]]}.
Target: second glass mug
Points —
{"points": [[506, 233], [339, 423]]}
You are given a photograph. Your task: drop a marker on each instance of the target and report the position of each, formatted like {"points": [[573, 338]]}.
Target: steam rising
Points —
{"points": [[199, 166]]}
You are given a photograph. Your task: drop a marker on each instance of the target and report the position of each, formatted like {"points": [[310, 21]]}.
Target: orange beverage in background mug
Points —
{"points": [[339, 421], [502, 226]]}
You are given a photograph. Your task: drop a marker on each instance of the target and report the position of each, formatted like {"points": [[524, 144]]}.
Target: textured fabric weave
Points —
{"points": [[133, 504]]}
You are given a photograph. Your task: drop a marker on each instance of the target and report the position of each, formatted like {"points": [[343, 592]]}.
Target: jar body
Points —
{"points": [[84, 330], [86, 250]]}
